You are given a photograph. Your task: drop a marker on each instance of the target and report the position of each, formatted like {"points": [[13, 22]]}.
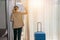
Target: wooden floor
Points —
{"points": [[2, 31], [3, 38]]}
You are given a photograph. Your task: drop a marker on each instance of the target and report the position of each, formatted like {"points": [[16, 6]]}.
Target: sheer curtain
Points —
{"points": [[44, 11]]}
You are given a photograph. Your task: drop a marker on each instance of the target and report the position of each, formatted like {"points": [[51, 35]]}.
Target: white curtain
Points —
{"points": [[44, 11], [11, 5]]}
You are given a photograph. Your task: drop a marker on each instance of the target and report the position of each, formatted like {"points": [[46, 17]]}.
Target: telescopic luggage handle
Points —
{"points": [[39, 23]]}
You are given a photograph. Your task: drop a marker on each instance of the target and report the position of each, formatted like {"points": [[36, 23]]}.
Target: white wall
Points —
{"points": [[45, 13], [58, 19], [2, 14]]}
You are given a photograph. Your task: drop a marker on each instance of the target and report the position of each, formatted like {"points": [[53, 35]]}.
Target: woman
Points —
{"points": [[17, 22]]}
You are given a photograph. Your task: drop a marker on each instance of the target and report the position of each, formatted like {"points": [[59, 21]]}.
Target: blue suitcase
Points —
{"points": [[39, 35]]}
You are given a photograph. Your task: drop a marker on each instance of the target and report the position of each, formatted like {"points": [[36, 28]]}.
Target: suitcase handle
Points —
{"points": [[40, 26]]}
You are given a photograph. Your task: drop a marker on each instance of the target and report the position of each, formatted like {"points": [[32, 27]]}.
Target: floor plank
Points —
{"points": [[3, 38]]}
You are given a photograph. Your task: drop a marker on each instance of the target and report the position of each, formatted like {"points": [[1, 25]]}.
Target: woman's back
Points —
{"points": [[17, 20]]}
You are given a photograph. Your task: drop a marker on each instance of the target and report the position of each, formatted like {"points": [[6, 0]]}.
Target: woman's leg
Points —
{"points": [[15, 34], [19, 33]]}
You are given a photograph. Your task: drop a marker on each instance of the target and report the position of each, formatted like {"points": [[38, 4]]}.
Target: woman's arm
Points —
{"points": [[25, 12]]}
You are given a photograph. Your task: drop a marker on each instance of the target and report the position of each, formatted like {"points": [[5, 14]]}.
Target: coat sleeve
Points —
{"points": [[24, 12]]}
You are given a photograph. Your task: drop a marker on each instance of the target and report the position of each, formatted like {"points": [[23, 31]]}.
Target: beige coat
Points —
{"points": [[17, 20]]}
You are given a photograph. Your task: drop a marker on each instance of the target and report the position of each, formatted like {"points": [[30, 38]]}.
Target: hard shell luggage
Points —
{"points": [[40, 35]]}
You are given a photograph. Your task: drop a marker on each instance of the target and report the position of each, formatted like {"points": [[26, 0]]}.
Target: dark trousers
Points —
{"points": [[17, 33]]}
